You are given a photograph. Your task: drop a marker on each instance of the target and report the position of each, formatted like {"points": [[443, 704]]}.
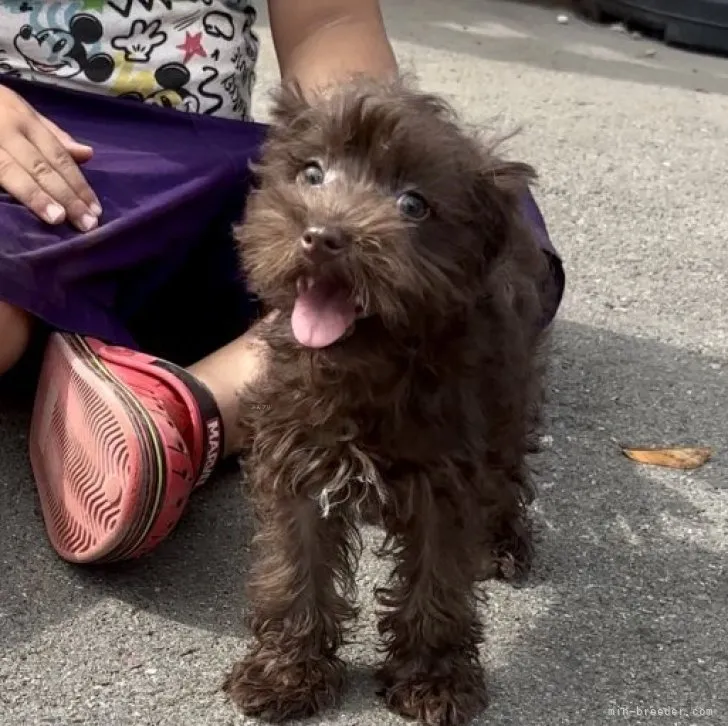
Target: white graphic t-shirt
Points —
{"points": [[192, 55]]}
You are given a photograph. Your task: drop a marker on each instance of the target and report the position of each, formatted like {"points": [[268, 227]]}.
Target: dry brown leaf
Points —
{"points": [[681, 457]]}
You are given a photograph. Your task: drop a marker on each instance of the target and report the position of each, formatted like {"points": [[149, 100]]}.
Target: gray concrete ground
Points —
{"points": [[627, 606]]}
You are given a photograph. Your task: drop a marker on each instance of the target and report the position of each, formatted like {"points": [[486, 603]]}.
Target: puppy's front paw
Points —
{"points": [[450, 696], [271, 687]]}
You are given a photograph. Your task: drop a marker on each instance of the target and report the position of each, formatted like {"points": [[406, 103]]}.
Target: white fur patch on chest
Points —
{"points": [[356, 479]]}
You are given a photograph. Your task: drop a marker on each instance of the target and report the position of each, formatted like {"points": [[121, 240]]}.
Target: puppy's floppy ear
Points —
{"points": [[512, 177], [499, 187], [500, 174], [500, 184], [289, 104]]}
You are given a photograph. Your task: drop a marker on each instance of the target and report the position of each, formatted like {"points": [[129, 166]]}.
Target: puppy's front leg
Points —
{"points": [[430, 623], [298, 614]]}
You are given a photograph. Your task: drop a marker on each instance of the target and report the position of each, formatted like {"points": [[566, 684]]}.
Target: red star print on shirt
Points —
{"points": [[192, 46]]}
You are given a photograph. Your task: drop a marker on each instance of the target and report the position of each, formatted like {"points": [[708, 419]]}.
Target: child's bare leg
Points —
{"points": [[15, 327], [228, 371]]}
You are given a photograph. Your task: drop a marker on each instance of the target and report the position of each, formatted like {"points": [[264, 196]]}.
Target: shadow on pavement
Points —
{"points": [[630, 588]]}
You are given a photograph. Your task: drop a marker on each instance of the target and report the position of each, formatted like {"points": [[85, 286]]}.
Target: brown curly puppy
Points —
{"points": [[404, 381]]}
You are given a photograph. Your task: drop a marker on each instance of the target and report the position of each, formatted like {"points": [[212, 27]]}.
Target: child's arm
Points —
{"points": [[321, 41]]}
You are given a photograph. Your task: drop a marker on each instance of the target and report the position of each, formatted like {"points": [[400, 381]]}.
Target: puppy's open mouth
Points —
{"points": [[324, 312]]}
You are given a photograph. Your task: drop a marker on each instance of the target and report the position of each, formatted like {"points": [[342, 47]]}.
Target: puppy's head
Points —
{"points": [[373, 203]]}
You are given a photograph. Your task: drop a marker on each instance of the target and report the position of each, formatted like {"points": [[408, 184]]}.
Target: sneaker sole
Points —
{"points": [[99, 458]]}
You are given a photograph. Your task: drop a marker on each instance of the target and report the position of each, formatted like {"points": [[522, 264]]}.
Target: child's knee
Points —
{"points": [[14, 335]]}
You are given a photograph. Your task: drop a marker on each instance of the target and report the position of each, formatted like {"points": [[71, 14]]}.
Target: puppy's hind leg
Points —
{"points": [[430, 621], [300, 596], [512, 547]]}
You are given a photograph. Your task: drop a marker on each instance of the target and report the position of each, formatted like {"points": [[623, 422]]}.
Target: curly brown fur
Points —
{"points": [[420, 414]]}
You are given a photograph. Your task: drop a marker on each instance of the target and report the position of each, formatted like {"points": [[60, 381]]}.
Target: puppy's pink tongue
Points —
{"points": [[322, 314]]}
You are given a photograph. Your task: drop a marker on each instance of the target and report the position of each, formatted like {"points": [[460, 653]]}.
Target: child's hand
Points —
{"points": [[39, 166]]}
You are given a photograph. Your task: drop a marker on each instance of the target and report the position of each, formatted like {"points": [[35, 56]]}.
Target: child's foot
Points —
{"points": [[118, 441]]}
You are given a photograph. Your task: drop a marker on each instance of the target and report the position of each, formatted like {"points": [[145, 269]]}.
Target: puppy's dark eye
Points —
{"points": [[312, 174], [413, 206]]}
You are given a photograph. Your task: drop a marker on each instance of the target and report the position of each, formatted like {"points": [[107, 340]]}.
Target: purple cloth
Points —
{"points": [[552, 296], [168, 182], [161, 264]]}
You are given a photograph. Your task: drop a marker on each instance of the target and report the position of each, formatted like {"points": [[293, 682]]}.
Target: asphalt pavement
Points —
{"points": [[626, 611]]}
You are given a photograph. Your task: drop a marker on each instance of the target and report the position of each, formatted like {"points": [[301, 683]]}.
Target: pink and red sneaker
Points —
{"points": [[118, 441]]}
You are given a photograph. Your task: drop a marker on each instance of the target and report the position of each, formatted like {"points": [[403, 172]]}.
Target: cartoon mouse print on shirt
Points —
{"points": [[172, 79], [62, 52], [191, 55]]}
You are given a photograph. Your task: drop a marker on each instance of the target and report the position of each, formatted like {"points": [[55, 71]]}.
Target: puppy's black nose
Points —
{"points": [[322, 242], [26, 32]]}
